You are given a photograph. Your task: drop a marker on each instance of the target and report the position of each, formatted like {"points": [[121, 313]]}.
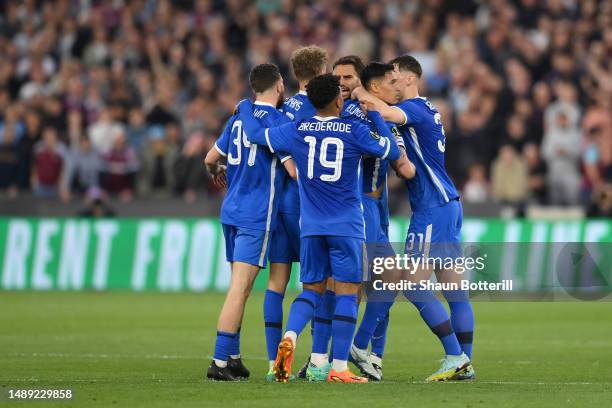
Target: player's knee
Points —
{"points": [[279, 277], [346, 288], [318, 287]]}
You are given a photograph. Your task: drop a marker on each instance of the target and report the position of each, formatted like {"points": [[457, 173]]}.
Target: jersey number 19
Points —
{"points": [[335, 165]]}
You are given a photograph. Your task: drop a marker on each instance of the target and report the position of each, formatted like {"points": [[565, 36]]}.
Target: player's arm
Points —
{"points": [[216, 169], [256, 133], [289, 164], [371, 102], [381, 145], [215, 155], [403, 167]]}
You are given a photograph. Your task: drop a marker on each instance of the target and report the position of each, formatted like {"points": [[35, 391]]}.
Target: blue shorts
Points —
{"points": [[377, 240], [285, 245], [436, 232], [322, 256], [246, 245]]}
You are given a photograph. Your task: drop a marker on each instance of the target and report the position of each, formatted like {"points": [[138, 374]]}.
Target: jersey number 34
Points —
{"points": [[239, 140]]}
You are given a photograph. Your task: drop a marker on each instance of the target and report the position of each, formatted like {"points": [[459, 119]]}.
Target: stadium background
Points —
{"points": [[107, 108]]}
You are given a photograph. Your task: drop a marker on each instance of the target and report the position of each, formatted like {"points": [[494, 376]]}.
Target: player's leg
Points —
{"points": [[377, 245], [246, 250], [347, 262], [273, 310], [379, 337], [313, 274], [281, 257], [462, 315], [426, 233]]}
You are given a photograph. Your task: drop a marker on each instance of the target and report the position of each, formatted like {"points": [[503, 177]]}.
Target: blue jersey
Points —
{"points": [[327, 153], [254, 174], [423, 135], [374, 173], [297, 107]]}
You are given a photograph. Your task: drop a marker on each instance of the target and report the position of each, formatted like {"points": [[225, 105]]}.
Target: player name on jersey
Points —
{"points": [[326, 126]]}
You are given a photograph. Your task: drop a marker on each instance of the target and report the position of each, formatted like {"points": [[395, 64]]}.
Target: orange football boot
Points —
{"points": [[284, 358], [345, 377]]}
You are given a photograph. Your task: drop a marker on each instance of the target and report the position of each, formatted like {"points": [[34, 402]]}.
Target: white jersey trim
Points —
{"points": [[221, 152], [375, 173], [260, 103], [268, 140], [388, 148], [264, 247]]}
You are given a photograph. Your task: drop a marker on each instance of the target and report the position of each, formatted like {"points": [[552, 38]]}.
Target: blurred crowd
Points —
{"points": [[125, 97]]}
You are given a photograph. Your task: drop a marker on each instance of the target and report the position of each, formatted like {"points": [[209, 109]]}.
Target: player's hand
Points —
{"points": [[358, 92], [220, 178], [244, 103], [366, 106]]}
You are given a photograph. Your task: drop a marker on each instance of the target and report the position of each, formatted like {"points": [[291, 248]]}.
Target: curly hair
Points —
{"points": [[323, 89], [308, 62]]}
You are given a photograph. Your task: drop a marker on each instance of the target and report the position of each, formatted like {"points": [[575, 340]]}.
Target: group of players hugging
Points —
{"points": [[306, 182]]}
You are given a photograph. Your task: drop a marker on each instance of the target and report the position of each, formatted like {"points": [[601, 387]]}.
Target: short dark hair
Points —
{"points": [[264, 77], [323, 89], [374, 70], [307, 62], [353, 60], [408, 63]]}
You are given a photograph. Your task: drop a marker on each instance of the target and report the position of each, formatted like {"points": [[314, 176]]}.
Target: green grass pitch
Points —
{"points": [[151, 350]]}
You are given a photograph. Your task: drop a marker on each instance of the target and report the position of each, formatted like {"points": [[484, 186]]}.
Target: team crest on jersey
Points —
{"points": [[374, 135]]}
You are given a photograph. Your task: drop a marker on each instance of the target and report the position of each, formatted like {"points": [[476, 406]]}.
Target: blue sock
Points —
{"points": [[224, 345], [273, 319], [343, 325], [462, 318], [302, 310], [379, 337], [434, 314], [235, 349], [374, 313], [322, 323]]}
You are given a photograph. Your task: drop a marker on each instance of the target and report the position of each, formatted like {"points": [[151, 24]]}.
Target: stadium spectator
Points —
{"points": [[157, 163], [561, 151], [92, 67], [119, 167], [189, 171], [597, 153], [538, 190], [82, 169], [476, 189], [49, 162], [96, 205], [509, 179]]}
